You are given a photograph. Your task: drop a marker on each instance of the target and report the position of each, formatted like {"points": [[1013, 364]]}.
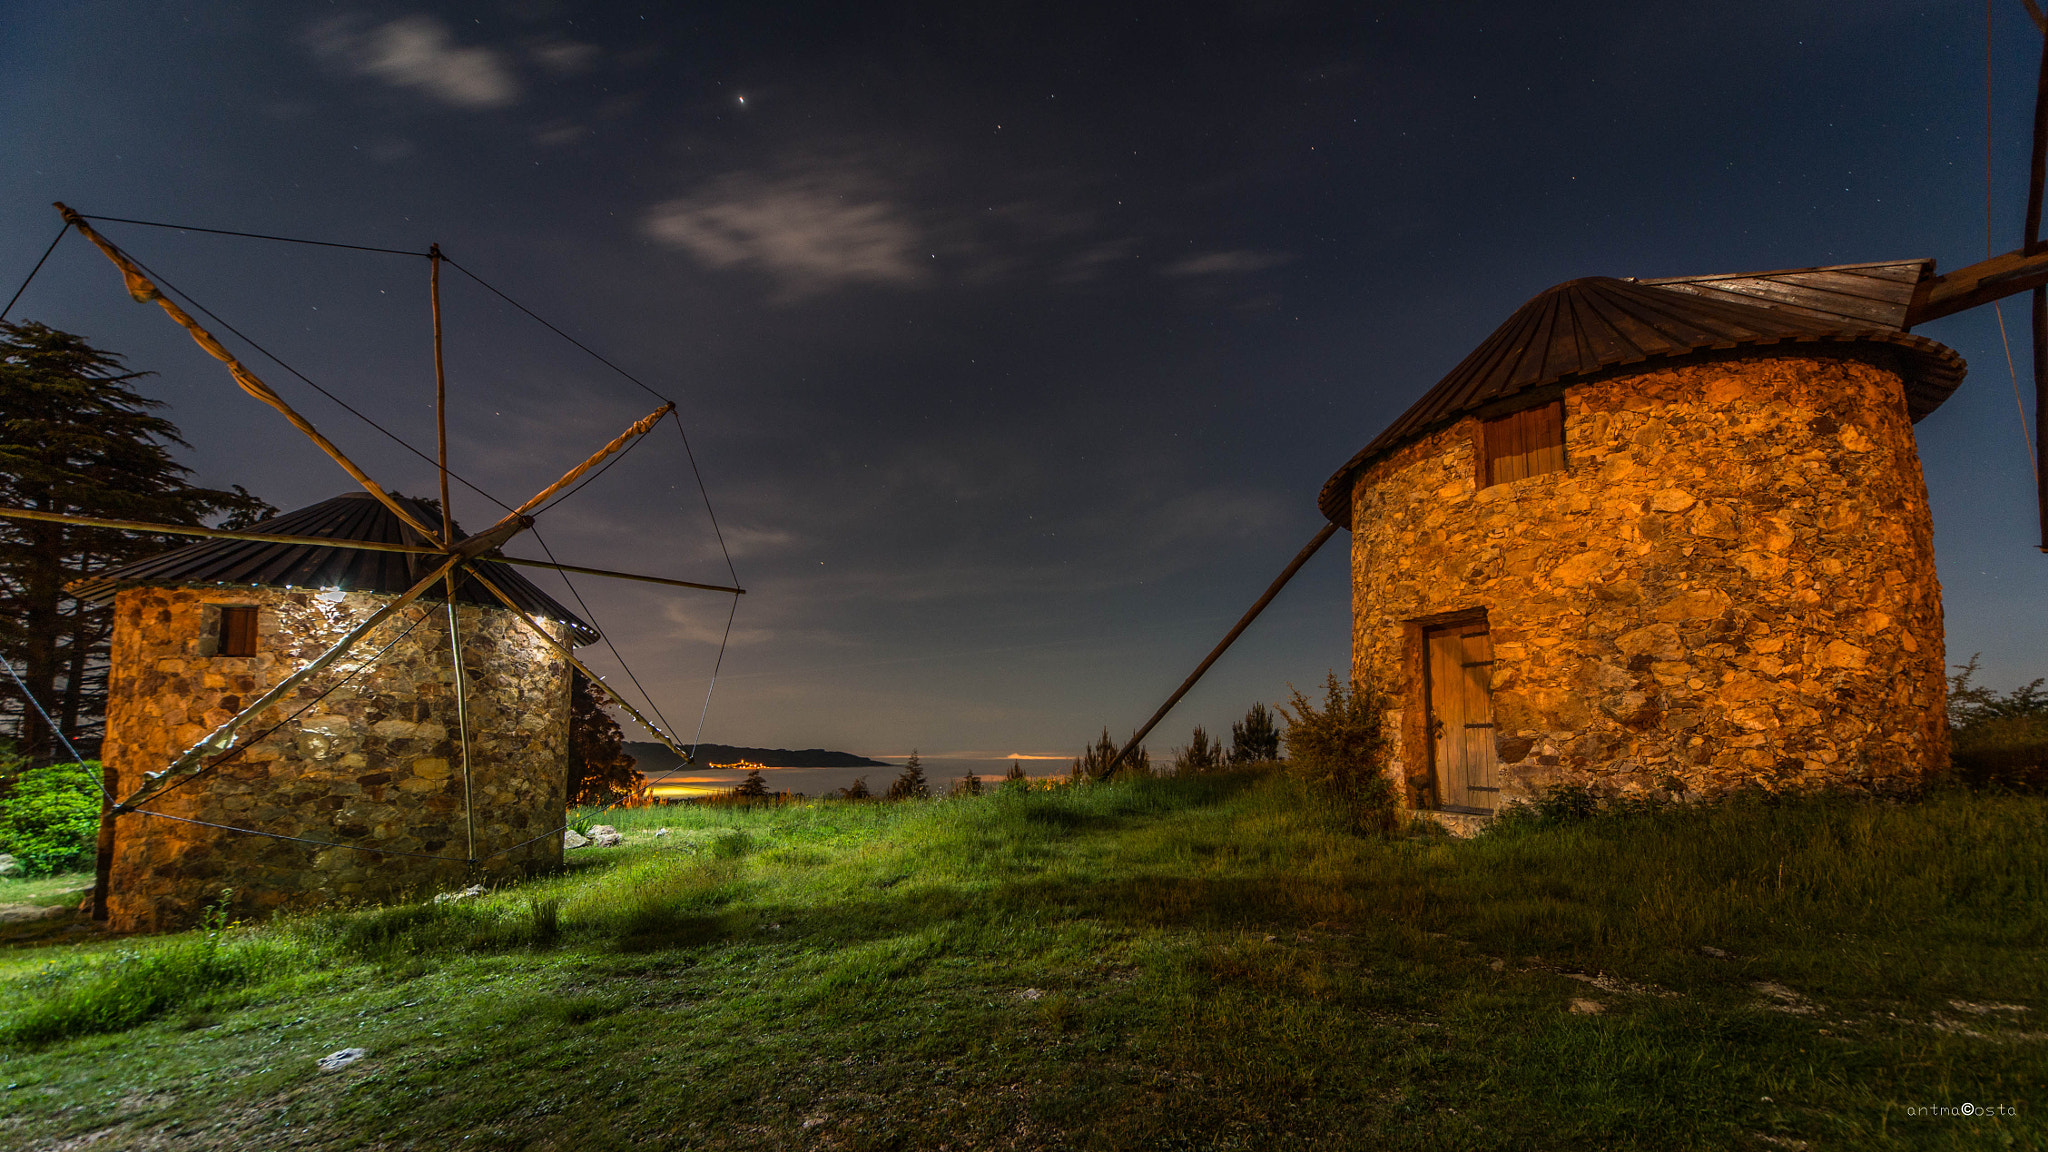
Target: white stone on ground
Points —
{"points": [[336, 1061], [572, 839]]}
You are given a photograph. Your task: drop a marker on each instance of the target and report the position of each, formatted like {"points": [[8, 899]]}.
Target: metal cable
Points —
{"points": [[255, 235], [602, 633], [59, 732], [11, 300], [550, 327], [274, 358]]}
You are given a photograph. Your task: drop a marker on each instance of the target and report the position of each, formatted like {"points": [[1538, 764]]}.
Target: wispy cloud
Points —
{"points": [[811, 232], [1230, 263], [420, 52], [564, 57]]}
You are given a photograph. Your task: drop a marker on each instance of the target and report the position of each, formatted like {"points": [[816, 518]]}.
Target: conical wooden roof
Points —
{"points": [[349, 516], [1599, 322]]}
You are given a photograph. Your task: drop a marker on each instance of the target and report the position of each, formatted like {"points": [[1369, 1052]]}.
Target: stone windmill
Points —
{"points": [[280, 724], [1669, 536]]}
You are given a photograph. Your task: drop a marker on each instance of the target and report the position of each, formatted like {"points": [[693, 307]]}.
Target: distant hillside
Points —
{"points": [[653, 757]]}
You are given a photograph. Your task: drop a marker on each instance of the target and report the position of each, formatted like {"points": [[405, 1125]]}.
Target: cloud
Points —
{"points": [[1226, 263], [564, 57], [811, 232], [419, 52]]}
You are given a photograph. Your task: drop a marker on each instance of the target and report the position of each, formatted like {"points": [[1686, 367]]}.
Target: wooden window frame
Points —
{"points": [[1493, 437]]}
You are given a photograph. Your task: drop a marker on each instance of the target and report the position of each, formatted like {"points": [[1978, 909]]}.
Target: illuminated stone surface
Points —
{"points": [[373, 763], [1731, 584]]}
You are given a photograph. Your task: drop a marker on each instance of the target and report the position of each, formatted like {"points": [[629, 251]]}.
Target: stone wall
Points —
{"points": [[373, 763], [1730, 585]]}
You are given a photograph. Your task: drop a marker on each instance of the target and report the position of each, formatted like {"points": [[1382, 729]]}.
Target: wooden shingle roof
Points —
{"points": [[350, 516], [1584, 326]]}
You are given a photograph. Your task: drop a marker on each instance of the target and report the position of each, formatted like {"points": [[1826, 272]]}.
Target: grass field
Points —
{"points": [[1205, 963]]}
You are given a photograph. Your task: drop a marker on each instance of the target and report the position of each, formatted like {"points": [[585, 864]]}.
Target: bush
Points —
{"points": [[1998, 741], [51, 817], [1340, 751]]}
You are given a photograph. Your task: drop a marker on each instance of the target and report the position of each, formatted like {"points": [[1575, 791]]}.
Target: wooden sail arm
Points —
{"points": [[616, 575], [640, 428], [215, 533], [562, 650], [1976, 285], [330, 542], [144, 291]]}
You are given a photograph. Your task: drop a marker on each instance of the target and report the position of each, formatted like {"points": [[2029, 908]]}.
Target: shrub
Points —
{"points": [[1999, 741], [1256, 738], [48, 821], [1015, 780], [968, 785], [858, 790], [1340, 751]]}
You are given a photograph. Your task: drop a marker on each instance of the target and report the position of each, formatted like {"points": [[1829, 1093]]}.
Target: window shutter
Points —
{"points": [[238, 631], [1524, 444]]}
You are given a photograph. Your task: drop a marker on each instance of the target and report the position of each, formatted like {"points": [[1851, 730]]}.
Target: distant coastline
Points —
{"points": [[652, 757]]}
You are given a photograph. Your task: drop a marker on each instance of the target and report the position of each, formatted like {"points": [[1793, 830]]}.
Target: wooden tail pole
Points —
{"points": [[143, 291], [1280, 582], [2037, 174]]}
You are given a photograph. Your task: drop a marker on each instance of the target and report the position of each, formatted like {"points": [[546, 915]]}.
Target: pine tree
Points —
{"points": [[76, 438], [753, 787], [1256, 739], [910, 785], [600, 768], [1015, 780], [1201, 755]]}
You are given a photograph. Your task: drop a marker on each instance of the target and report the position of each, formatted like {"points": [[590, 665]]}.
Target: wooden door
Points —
{"points": [[1461, 715]]}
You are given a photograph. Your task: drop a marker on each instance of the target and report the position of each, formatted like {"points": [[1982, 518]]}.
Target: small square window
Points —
{"points": [[237, 631], [1522, 444]]}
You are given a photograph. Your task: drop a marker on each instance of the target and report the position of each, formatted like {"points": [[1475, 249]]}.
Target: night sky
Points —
{"points": [[1014, 344]]}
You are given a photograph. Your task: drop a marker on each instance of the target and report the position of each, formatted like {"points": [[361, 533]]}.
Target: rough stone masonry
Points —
{"points": [[1731, 584], [373, 764]]}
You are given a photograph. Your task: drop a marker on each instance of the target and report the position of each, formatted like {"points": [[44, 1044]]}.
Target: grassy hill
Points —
{"points": [[1205, 963]]}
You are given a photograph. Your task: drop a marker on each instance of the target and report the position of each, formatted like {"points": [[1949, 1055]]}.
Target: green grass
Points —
{"points": [[62, 888], [1208, 963]]}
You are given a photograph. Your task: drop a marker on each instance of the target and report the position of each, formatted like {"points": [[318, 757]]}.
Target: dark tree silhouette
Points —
{"points": [[600, 768], [910, 785], [77, 439]]}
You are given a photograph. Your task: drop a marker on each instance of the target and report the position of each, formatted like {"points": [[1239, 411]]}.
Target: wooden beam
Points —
{"points": [[639, 427], [1979, 284], [214, 533], [143, 291], [615, 575]]}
